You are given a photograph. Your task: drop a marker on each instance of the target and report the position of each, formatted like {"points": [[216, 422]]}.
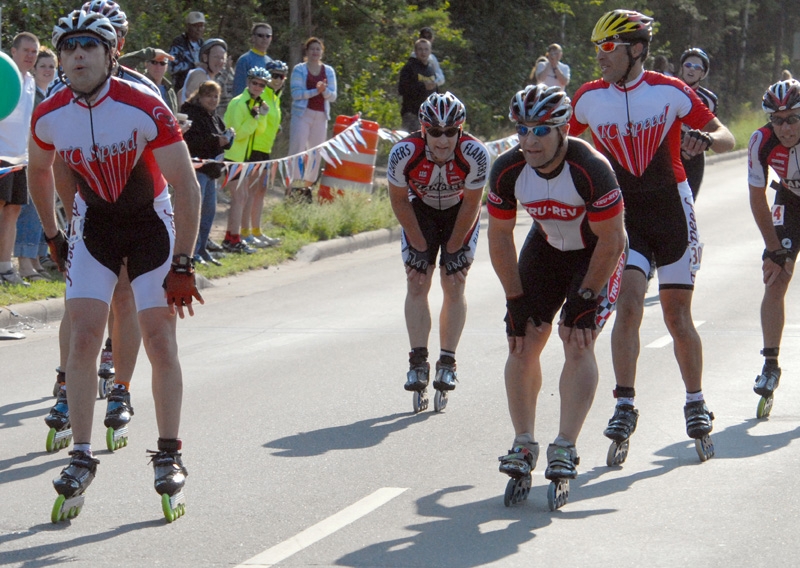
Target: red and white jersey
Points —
{"points": [[110, 144], [440, 187], [766, 151], [639, 131]]}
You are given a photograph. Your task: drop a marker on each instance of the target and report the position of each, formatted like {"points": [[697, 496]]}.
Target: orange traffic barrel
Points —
{"points": [[356, 168]]}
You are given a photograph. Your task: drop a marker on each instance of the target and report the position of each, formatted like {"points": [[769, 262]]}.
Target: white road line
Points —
{"points": [[287, 548], [666, 339]]}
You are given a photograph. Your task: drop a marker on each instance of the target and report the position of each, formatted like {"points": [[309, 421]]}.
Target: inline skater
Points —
{"points": [[573, 249], [122, 213], [776, 146], [436, 178], [635, 118], [695, 65]]}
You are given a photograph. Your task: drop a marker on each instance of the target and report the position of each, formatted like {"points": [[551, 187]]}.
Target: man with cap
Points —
{"points": [[186, 48], [155, 64]]}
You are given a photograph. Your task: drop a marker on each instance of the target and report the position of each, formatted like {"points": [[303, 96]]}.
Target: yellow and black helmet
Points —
{"points": [[625, 25]]}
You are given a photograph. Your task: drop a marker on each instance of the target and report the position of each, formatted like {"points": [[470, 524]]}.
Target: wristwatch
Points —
{"points": [[182, 261], [587, 294]]}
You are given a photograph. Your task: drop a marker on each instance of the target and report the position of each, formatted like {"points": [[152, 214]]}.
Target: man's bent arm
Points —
{"points": [[721, 138], [503, 254], [41, 186], [763, 217], [465, 220], [405, 215], [176, 166], [611, 239]]}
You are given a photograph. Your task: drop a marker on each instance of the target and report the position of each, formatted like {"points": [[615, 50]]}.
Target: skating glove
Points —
{"points": [[700, 135], [417, 260], [59, 249], [779, 256], [180, 286], [580, 313], [455, 261], [517, 316]]}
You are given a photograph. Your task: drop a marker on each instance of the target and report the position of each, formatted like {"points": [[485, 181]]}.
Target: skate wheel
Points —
{"points": [[111, 444], [440, 401], [558, 494], [56, 388], [420, 401], [50, 444], [173, 512], [517, 490], [704, 447], [104, 385], [56, 515], [169, 514], [764, 406], [617, 453]]}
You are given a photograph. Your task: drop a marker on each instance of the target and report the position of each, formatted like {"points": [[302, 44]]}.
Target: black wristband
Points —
{"points": [[182, 264], [779, 256]]}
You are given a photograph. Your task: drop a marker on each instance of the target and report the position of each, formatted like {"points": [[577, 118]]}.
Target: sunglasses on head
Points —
{"points": [[436, 131], [695, 66], [262, 36], [778, 121], [154, 62], [86, 42], [607, 46], [538, 131]]}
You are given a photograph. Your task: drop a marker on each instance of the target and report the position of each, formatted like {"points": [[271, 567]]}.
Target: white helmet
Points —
{"points": [[542, 104], [442, 110], [110, 10], [81, 22]]}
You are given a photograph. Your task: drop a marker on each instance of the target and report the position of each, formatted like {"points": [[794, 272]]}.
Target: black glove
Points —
{"points": [[517, 316], [417, 260], [580, 313], [254, 112], [59, 249], [455, 261], [779, 256], [703, 136]]}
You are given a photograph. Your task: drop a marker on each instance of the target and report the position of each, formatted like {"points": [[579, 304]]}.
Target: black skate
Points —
{"points": [[766, 383], [444, 382], [60, 434], [561, 464], [620, 428], [105, 373], [118, 414], [60, 381], [70, 486], [417, 382], [518, 465], [698, 427], [170, 477]]}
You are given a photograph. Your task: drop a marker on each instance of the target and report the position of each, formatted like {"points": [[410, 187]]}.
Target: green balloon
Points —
{"points": [[10, 85]]}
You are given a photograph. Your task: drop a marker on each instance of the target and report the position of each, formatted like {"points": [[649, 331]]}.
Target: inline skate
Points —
{"points": [[106, 371], [444, 382], [417, 382], [698, 427], [518, 464], [71, 485], [561, 462], [620, 428], [60, 434], [170, 477], [61, 379], [118, 414], [765, 386]]}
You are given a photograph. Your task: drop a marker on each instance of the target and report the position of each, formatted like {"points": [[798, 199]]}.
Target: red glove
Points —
{"points": [[59, 249], [180, 286]]}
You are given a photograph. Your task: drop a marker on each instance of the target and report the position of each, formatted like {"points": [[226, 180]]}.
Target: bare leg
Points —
{"points": [[453, 314], [625, 336], [125, 334], [677, 308], [523, 378], [417, 310], [160, 343]]}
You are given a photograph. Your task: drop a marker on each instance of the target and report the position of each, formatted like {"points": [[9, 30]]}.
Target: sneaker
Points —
{"points": [[198, 260], [12, 278], [206, 256], [48, 263], [269, 241], [252, 241], [239, 247], [213, 246]]}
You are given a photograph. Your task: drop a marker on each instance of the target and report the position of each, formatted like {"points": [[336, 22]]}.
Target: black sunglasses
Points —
{"points": [[154, 62], [262, 36], [436, 131], [86, 42]]}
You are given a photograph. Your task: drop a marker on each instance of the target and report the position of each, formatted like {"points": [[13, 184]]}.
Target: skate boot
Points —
{"points": [[105, 372], [699, 426], [620, 428], [60, 434], [71, 485], [61, 379], [561, 464], [170, 477], [417, 382], [444, 382], [766, 383], [118, 413], [518, 464]]}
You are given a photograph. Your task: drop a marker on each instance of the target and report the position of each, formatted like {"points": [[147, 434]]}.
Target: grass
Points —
{"points": [[296, 224], [743, 126]]}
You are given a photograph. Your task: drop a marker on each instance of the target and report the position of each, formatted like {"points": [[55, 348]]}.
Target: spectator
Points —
{"points": [[417, 81], [186, 48], [14, 133], [247, 115], [261, 38], [254, 205], [313, 88], [532, 80], [225, 81], [206, 138], [30, 244], [786, 75], [212, 61], [155, 67], [661, 65], [427, 33], [553, 72]]}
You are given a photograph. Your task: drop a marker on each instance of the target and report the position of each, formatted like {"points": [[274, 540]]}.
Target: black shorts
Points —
{"points": [[786, 219], [437, 226], [14, 186], [657, 225]]}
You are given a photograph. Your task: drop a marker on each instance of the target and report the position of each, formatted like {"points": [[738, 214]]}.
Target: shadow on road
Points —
{"points": [[9, 420], [363, 434], [486, 531]]}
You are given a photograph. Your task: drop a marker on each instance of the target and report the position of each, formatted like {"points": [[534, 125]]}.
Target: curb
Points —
{"points": [[326, 249], [726, 156]]}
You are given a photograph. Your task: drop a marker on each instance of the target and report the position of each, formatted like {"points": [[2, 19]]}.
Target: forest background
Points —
{"points": [[486, 47]]}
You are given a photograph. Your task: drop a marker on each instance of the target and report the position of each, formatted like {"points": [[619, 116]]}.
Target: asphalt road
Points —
{"points": [[303, 451]]}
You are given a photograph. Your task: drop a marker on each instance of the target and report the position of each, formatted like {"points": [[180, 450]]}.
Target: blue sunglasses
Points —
{"points": [[538, 131], [86, 42]]}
